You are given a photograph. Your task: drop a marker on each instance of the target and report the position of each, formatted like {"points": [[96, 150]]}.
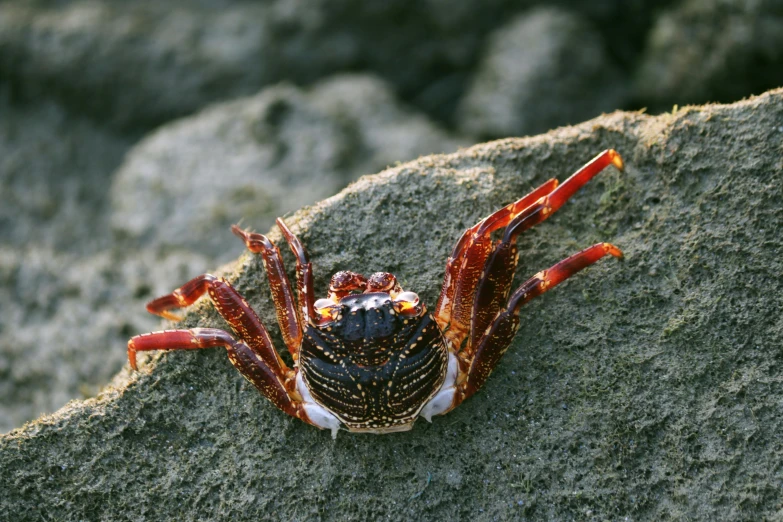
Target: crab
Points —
{"points": [[369, 357]]}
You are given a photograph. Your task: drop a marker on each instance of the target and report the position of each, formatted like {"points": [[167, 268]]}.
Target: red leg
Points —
{"points": [[234, 310], [490, 268], [304, 273], [500, 268], [182, 297], [494, 341], [288, 316], [269, 382], [464, 267]]}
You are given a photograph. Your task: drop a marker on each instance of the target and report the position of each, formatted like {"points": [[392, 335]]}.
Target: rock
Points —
{"points": [[57, 302], [385, 131], [716, 50], [65, 320], [257, 158], [669, 362], [159, 61], [72, 296], [136, 65], [55, 174], [544, 69]]}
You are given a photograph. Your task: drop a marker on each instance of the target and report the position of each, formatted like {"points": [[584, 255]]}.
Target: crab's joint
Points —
{"points": [[172, 339], [613, 250], [132, 354], [326, 311]]}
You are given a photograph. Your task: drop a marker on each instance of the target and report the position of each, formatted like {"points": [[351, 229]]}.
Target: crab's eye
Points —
{"points": [[345, 282], [407, 303], [382, 282]]}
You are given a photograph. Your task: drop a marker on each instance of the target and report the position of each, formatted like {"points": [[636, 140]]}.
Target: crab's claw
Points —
{"points": [[616, 160], [132, 354]]}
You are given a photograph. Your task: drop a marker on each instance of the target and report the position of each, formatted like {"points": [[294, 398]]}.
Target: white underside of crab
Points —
{"points": [[440, 403], [317, 414], [443, 401]]}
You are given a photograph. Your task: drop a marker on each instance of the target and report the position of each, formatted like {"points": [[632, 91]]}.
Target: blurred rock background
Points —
{"points": [[133, 133]]}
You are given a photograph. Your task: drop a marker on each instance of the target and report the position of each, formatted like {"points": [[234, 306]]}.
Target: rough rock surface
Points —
{"points": [[65, 319], [545, 68], [57, 303], [55, 174], [71, 294], [258, 158], [139, 64], [646, 390], [716, 50]]}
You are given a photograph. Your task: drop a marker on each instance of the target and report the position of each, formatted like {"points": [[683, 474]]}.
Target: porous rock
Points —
{"points": [[57, 302], [135, 65], [55, 174], [711, 50], [545, 68], [65, 319], [648, 389], [257, 158]]}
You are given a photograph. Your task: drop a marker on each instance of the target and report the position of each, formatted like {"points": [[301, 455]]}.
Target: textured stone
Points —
{"points": [[139, 64], [55, 174], [544, 69], [65, 319], [257, 158], [58, 302], [648, 389], [716, 50]]}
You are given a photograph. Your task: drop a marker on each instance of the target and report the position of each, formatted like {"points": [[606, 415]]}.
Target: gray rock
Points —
{"points": [[71, 295], [138, 64], [57, 302], [544, 69], [65, 320], [55, 174], [257, 158], [668, 363], [712, 50]]}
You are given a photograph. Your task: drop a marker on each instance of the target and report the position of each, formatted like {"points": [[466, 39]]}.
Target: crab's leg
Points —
{"points": [[464, 266], [288, 316], [233, 308], [304, 273], [494, 341], [498, 274], [269, 381], [476, 269]]}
